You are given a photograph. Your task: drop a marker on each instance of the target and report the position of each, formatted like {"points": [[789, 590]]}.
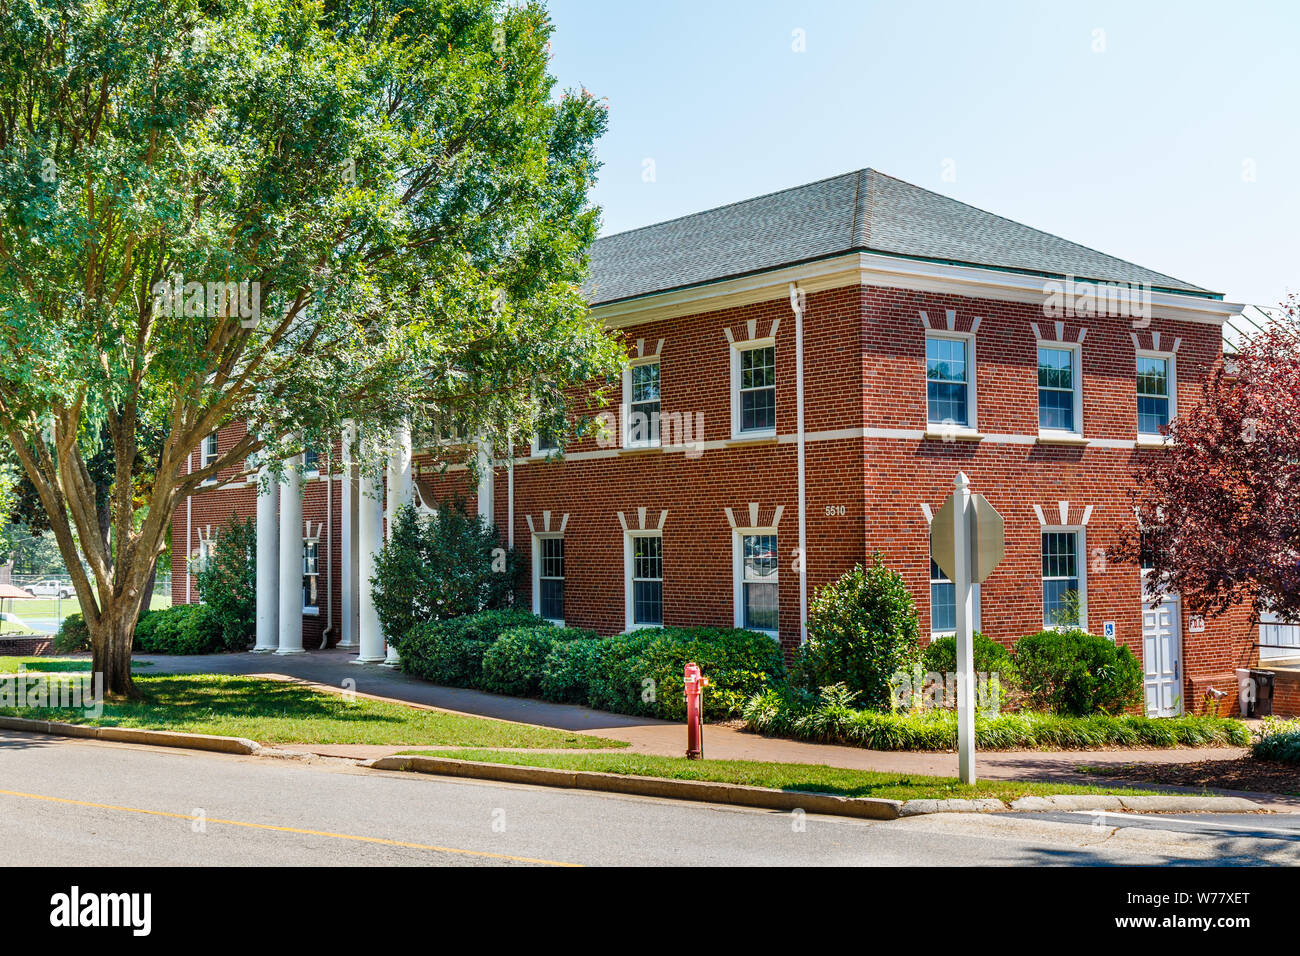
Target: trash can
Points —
{"points": [[1263, 693]]}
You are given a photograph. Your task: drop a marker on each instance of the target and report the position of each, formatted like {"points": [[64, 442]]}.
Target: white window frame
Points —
{"points": [[537, 573], [738, 578], [1171, 359], [311, 611], [309, 473], [536, 450], [975, 598], [626, 438], [736, 349], [1076, 349], [972, 397], [1080, 563], [629, 591], [206, 457], [205, 552]]}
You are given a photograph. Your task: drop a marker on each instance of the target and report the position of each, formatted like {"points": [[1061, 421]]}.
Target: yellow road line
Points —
{"points": [[268, 826]]}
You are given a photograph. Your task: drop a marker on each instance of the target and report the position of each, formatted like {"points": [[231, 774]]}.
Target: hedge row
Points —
{"points": [[831, 717], [514, 652], [179, 629]]}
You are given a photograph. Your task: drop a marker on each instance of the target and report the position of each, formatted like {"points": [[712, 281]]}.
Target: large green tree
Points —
{"points": [[287, 214]]}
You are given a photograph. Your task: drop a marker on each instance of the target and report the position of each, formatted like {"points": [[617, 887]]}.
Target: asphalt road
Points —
{"points": [[78, 803]]}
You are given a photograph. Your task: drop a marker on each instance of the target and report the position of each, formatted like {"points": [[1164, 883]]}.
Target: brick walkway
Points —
{"points": [[329, 670]]}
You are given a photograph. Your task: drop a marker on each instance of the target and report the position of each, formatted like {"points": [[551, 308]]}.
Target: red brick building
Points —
{"points": [[807, 373]]}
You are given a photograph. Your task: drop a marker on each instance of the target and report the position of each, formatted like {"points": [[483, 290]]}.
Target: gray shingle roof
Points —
{"points": [[863, 210]]}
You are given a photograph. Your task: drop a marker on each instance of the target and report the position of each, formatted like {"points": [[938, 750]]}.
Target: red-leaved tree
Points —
{"points": [[1220, 509]]}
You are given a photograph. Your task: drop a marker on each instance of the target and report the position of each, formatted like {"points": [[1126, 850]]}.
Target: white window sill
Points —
{"points": [[311, 611], [765, 437], [1153, 441], [641, 446], [1048, 436], [551, 620], [640, 627], [952, 434]]}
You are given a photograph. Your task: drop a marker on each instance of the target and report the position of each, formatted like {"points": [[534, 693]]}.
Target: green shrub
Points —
{"points": [[73, 636], [940, 657], [641, 672], [513, 663], [1076, 673], [861, 630], [831, 716], [451, 652], [180, 629], [440, 567], [1279, 740], [228, 584], [568, 670]]}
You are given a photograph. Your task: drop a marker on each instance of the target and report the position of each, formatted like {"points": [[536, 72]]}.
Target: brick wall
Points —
{"points": [[869, 468]]}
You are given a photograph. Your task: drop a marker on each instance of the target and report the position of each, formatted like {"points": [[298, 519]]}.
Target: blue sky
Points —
{"points": [[1171, 138]]}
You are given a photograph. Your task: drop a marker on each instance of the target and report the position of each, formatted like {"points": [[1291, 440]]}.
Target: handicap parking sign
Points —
{"points": [[1109, 630]]}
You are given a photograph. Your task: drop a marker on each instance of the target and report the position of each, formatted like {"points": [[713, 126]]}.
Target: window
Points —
{"points": [[756, 581], [1155, 393], [943, 603], [207, 551], [753, 394], [1063, 594], [310, 462], [645, 596], [548, 568], [545, 440], [948, 380], [1059, 389], [209, 451], [311, 577], [641, 389]]}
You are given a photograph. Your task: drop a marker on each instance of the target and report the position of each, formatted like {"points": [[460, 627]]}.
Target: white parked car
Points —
{"points": [[49, 588]]}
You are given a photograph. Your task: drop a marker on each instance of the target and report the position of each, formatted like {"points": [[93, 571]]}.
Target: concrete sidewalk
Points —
{"points": [[331, 669]]}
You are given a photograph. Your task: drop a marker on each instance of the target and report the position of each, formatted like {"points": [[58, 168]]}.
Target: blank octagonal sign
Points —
{"points": [[987, 535]]}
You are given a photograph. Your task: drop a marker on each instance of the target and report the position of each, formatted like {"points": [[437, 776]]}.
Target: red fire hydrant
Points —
{"points": [[695, 683]]}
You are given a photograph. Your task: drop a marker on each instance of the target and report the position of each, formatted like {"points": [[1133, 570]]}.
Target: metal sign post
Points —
{"points": [[967, 539]]}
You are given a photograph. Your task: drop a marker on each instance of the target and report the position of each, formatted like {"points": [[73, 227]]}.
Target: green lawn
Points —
{"points": [[784, 776], [273, 711], [11, 665]]}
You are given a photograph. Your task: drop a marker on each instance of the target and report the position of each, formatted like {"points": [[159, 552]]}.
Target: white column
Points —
{"points": [[370, 539], [348, 550], [291, 559], [485, 482], [401, 491], [268, 563]]}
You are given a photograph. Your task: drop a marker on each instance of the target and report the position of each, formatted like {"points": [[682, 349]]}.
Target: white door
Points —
{"points": [[1162, 649]]}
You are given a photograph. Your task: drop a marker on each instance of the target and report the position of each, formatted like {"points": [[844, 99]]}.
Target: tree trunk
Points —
{"points": [[111, 654]]}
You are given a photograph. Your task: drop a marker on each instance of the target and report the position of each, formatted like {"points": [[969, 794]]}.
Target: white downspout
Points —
{"points": [[189, 529], [797, 305], [510, 493], [329, 552]]}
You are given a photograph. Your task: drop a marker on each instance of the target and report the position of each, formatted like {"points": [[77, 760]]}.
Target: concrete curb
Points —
{"points": [[1173, 803], [730, 793], [130, 735], [914, 808]]}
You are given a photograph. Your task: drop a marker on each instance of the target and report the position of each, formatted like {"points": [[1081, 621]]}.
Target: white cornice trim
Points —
{"points": [[874, 269]]}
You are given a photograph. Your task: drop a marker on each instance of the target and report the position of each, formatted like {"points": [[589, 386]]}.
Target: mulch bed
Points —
{"points": [[1243, 773]]}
